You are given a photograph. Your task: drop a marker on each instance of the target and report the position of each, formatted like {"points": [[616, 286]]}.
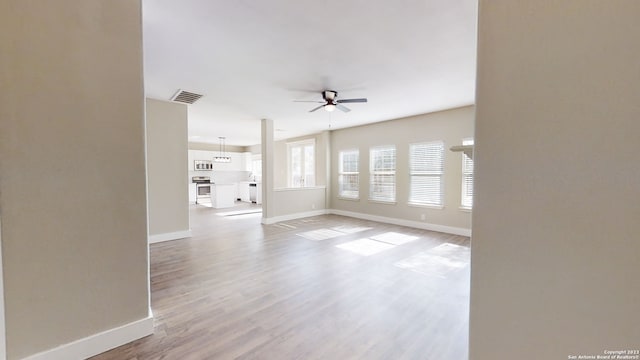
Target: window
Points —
{"points": [[426, 167], [256, 167], [467, 178], [348, 177], [302, 166], [382, 170]]}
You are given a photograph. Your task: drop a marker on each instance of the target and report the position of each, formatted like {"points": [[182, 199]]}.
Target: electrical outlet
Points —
{"points": [[423, 217]]}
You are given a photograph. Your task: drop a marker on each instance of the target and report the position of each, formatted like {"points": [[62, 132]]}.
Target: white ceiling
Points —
{"points": [[252, 58]]}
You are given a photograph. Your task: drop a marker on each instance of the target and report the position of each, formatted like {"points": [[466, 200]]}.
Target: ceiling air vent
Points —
{"points": [[186, 97]]}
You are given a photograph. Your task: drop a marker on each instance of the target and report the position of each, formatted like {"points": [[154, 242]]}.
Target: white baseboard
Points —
{"points": [[98, 343], [415, 224], [276, 219], [383, 219], [169, 236]]}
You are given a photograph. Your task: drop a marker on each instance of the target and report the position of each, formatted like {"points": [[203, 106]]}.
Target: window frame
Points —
{"points": [[373, 173], [342, 173], [301, 144], [256, 159], [464, 173], [440, 174]]}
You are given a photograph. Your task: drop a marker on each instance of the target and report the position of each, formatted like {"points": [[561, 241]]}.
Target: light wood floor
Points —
{"points": [[241, 290]]}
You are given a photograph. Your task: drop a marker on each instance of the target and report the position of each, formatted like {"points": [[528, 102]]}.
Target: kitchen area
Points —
{"points": [[224, 181]]}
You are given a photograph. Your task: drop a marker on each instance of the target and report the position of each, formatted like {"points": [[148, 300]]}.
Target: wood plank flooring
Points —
{"points": [[241, 290]]}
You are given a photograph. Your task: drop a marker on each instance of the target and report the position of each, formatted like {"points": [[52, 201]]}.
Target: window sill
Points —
{"points": [[465, 209], [436, 207], [299, 188], [382, 202], [348, 198]]}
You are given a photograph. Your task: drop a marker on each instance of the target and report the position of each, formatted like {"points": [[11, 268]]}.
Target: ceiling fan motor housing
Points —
{"points": [[329, 95], [331, 103]]}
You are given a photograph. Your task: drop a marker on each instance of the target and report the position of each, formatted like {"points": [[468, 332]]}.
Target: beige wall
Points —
{"points": [[298, 200], [266, 147], [555, 248], [450, 126], [167, 167], [280, 164], [72, 165]]}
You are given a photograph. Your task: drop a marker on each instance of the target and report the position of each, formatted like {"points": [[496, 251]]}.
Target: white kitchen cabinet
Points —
{"points": [[222, 195], [247, 161], [239, 161], [243, 191]]}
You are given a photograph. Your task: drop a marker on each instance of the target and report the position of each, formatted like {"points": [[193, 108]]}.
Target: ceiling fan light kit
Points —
{"points": [[330, 103]]}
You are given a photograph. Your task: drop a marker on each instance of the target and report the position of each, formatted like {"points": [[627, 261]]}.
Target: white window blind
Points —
{"points": [[426, 167], [349, 177], [382, 172], [467, 178], [301, 163]]}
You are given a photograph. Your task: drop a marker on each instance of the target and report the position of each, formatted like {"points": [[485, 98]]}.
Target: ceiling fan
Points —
{"points": [[330, 102]]}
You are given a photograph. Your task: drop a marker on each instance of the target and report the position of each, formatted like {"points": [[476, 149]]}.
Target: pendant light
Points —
{"points": [[222, 158]]}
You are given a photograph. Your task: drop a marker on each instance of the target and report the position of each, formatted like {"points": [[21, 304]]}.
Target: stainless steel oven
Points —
{"points": [[203, 186]]}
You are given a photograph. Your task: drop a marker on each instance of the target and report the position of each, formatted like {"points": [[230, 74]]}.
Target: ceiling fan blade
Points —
{"points": [[319, 107], [312, 101], [346, 101], [343, 108]]}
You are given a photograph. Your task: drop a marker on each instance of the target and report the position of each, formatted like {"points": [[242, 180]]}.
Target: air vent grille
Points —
{"points": [[186, 97]]}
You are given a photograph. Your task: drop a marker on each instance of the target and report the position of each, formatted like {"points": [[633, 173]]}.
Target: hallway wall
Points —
{"points": [[72, 165]]}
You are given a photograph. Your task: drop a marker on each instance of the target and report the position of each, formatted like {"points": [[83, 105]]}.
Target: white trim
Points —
{"points": [[373, 172], [383, 202], [402, 222], [341, 172], [98, 343], [301, 143], [441, 175], [383, 219], [426, 206], [300, 188], [276, 219], [347, 198], [169, 236]]}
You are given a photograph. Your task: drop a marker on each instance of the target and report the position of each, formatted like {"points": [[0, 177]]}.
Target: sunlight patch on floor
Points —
{"points": [[395, 238], [320, 234], [438, 261], [350, 229], [365, 247]]}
